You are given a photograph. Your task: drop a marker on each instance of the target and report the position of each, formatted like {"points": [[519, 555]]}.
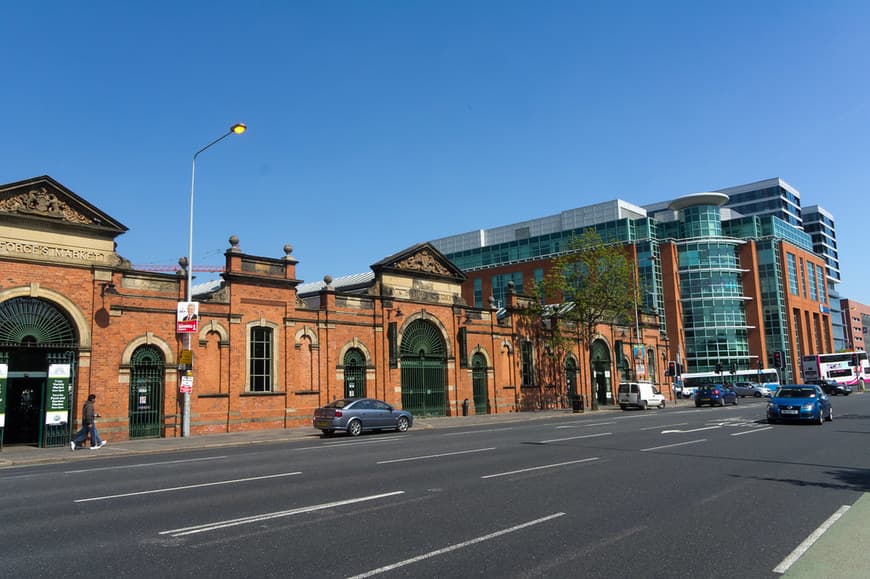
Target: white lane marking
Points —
{"points": [[342, 444], [143, 464], [673, 445], [454, 547], [558, 464], [808, 542], [267, 516], [186, 487], [691, 430], [434, 455], [753, 430], [664, 426], [575, 437], [591, 424], [464, 432]]}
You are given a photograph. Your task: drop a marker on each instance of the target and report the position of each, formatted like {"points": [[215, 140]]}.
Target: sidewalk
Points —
{"points": [[24, 455]]}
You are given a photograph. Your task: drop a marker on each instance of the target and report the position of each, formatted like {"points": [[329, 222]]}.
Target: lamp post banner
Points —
{"points": [[187, 318]]}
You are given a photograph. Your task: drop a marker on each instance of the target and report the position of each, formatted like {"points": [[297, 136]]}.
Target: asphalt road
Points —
{"points": [[679, 492]]}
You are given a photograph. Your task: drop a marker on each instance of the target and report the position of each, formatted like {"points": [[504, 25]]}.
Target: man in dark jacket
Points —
{"points": [[89, 427]]}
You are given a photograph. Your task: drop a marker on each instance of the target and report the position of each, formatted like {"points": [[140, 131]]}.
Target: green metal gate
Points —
{"points": [[479, 383], [354, 374], [147, 372], [56, 435], [424, 370]]}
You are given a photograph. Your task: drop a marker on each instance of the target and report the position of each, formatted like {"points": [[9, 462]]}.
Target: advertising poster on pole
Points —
{"points": [[187, 318], [57, 408]]}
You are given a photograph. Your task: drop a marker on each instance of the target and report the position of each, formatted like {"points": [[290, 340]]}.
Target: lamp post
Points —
{"points": [[236, 129]]}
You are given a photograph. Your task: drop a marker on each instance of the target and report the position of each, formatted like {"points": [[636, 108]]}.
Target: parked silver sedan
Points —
{"points": [[354, 415]]}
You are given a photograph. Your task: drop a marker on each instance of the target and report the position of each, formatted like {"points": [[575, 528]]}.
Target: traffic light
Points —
{"points": [[672, 368], [718, 367], [679, 369], [777, 359]]}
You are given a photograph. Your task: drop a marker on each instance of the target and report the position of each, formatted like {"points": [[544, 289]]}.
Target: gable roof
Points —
{"points": [[44, 200], [420, 260]]}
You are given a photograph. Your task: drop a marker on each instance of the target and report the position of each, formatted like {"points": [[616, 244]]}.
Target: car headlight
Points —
{"points": [[771, 406], [809, 407]]}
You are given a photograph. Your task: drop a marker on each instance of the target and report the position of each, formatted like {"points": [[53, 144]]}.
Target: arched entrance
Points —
{"points": [[147, 372], [423, 358], [480, 383], [38, 347], [354, 373], [599, 361], [571, 376]]}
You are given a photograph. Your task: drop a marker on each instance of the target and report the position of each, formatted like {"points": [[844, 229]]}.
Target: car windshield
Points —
{"points": [[339, 403], [797, 393]]}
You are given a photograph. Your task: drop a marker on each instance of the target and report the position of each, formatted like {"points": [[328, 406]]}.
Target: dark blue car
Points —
{"points": [[800, 402], [715, 395]]}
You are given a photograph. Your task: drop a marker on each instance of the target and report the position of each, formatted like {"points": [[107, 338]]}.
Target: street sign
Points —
{"points": [[186, 384], [186, 358]]}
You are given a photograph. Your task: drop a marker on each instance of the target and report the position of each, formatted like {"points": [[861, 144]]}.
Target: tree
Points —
{"points": [[591, 284]]}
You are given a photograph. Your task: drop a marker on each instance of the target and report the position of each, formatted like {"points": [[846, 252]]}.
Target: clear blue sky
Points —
{"points": [[374, 125]]}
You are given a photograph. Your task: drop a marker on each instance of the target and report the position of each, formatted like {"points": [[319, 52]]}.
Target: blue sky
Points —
{"points": [[374, 125]]}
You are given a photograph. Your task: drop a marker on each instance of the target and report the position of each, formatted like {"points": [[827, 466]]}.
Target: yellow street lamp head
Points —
{"points": [[239, 128]]}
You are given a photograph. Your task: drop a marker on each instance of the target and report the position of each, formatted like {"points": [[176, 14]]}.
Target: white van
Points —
{"points": [[639, 395]]}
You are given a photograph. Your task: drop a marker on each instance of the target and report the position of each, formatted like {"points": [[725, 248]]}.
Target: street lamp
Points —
{"points": [[236, 129]]}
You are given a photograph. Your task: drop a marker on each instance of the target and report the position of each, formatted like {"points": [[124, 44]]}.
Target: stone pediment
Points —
{"points": [[43, 198], [421, 260]]}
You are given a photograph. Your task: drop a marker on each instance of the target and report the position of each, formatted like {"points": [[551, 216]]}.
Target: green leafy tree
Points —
{"points": [[591, 284]]}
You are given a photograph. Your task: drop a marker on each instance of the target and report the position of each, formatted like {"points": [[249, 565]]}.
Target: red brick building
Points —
{"points": [[77, 319]]}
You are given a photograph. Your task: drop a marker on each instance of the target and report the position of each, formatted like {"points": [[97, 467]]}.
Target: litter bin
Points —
{"points": [[577, 403], [465, 407]]}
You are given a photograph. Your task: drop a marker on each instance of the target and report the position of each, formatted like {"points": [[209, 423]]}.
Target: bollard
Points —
{"points": [[465, 407]]}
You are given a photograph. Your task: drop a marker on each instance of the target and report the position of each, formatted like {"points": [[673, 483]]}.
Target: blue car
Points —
{"points": [[800, 402], [715, 395]]}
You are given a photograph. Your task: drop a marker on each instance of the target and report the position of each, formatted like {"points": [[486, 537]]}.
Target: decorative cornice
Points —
{"points": [[425, 262]]}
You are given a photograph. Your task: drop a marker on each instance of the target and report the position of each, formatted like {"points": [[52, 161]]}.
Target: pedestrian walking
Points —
{"points": [[89, 427]]}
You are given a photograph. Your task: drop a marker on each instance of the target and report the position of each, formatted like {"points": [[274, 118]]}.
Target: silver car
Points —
{"points": [[755, 389], [354, 415]]}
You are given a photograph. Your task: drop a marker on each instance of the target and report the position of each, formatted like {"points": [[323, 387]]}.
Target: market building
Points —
{"points": [[264, 349]]}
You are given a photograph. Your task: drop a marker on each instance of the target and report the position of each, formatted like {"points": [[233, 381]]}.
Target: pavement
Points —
{"points": [[838, 552]]}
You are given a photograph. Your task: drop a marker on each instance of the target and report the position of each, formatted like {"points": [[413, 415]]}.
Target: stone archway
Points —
{"points": [[39, 349], [423, 359]]}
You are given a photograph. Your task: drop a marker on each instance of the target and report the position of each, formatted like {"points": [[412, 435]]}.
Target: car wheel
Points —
{"points": [[821, 419], [402, 424], [662, 405], [735, 401], [643, 405], [757, 394], [354, 428], [830, 416]]}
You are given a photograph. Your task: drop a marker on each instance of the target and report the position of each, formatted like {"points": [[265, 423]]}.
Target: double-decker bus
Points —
{"points": [[767, 377], [850, 368]]}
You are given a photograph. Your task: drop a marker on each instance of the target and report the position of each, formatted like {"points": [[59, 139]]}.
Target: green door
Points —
{"points": [[146, 392], [479, 383], [422, 355], [354, 374]]}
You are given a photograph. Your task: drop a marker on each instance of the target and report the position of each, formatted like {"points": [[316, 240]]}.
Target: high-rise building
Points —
{"points": [[819, 223]]}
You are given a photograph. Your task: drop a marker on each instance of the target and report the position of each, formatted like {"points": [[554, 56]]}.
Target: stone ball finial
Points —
{"points": [[327, 279], [182, 261], [288, 249], [234, 240]]}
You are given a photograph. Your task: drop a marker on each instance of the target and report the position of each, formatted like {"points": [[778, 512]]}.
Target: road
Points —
{"points": [[679, 492]]}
